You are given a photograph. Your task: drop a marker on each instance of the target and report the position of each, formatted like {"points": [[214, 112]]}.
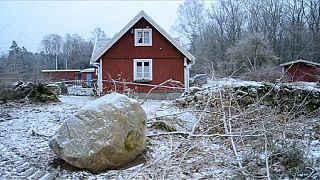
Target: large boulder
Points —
{"points": [[106, 134]]}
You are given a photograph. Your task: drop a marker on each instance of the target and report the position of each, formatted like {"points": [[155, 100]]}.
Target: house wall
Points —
{"points": [[61, 75], [303, 72], [167, 61]]}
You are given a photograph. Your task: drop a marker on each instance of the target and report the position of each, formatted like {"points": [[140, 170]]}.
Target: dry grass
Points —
{"points": [[232, 142]]}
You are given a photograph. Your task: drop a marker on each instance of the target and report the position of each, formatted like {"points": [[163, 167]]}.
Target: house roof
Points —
{"points": [[102, 48], [99, 46], [299, 61]]}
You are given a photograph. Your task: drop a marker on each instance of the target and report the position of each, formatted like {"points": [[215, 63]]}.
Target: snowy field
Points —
{"points": [[25, 130]]}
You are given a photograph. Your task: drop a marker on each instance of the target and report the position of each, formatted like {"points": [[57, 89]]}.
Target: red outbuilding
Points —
{"points": [[140, 57], [302, 70], [89, 77], [85, 77], [62, 75]]}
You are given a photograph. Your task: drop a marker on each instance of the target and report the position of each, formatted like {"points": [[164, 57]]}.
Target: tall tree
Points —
{"points": [[294, 25], [98, 33], [313, 21], [190, 23], [191, 18], [19, 63], [76, 51], [51, 45]]}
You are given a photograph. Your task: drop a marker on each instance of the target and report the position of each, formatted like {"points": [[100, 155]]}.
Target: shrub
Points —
{"points": [[267, 74]]}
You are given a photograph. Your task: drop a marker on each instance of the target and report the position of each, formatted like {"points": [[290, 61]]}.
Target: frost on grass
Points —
{"points": [[265, 141]]}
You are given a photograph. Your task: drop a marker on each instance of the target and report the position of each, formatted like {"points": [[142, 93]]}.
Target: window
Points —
{"points": [[142, 70], [143, 37]]}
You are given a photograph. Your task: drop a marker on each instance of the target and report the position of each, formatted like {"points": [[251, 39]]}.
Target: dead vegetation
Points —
{"points": [[233, 141], [34, 92], [229, 140]]}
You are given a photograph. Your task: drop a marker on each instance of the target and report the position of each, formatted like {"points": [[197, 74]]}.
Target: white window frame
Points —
{"points": [[143, 79], [136, 43]]}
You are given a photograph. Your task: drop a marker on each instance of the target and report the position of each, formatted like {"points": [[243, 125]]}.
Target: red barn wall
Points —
{"points": [[84, 75], [303, 72], [61, 75], [167, 61]]}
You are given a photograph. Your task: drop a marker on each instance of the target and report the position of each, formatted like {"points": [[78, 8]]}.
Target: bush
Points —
{"points": [[290, 157], [267, 74]]}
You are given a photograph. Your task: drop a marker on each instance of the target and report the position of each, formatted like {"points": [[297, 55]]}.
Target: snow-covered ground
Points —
{"points": [[25, 130], [24, 133]]}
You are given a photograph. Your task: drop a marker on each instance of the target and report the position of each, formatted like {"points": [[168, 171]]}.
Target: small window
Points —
{"points": [[142, 70], [143, 37]]}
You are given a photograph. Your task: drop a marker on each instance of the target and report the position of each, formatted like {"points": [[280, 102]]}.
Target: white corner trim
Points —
{"points": [[186, 75], [100, 78]]}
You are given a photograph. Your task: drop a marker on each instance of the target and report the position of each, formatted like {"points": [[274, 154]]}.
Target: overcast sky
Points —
{"points": [[28, 21]]}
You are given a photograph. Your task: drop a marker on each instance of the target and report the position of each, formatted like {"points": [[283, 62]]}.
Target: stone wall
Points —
{"points": [[285, 96]]}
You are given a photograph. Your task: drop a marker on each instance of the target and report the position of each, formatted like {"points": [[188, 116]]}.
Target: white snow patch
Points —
{"points": [[76, 90], [314, 149], [230, 82], [114, 99]]}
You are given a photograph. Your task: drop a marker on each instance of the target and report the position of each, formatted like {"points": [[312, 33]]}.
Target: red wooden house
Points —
{"points": [[141, 56], [302, 70]]}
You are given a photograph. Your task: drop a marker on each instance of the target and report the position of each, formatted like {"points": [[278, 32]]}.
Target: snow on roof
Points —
{"points": [[88, 70], [99, 46], [98, 53], [301, 61], [62, 70]]}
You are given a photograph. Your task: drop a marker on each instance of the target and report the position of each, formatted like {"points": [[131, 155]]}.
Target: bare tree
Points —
{"points": [[76, 51], [290, 27], [191, 18], [98, 33], [226, 22], [313, 21], [51, 45], [294, 25], [191, 23], [235, 19]]}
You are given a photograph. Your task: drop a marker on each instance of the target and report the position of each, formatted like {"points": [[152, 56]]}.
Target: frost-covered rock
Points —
{"points": [[63, 87], [44, 93], [53, 89], [183, 122], [36, 92], [108, 133]]}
